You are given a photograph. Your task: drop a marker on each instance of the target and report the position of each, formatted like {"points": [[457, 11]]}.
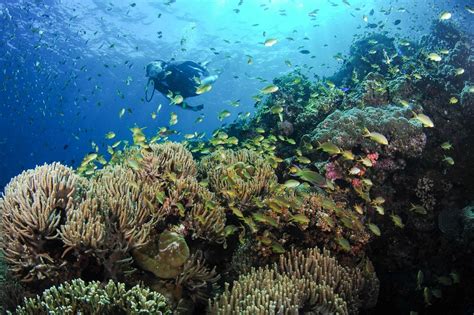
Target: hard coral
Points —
{"points": [[302, 281], [346, 130], [79, 297]]}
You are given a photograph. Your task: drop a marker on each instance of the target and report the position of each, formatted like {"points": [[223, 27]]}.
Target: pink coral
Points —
{"points": [[333, 172], [356, 182], [373, 157]]}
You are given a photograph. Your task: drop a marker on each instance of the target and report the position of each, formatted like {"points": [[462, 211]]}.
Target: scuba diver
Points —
{"points": [[178, 80]]}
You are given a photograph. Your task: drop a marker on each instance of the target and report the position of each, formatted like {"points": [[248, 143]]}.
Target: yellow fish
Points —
{"points": [[203, 88], [376, 137], [329, 148], [270, 89], [445, 15], [448, 160], [425, 120], [446, 145], [270, 42], [110, 135], [375, 229], [434, 57], [177, 99], [173, 119]]}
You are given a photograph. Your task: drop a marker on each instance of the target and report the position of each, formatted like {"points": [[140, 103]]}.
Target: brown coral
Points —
{"points": [[131, 204], [116, 217], [307, 281], [238, 176], [35, 204], [162, 160], [203, 216], [196, 278], [330, 221]]}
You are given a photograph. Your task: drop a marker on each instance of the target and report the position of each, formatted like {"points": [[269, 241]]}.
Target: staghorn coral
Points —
{"points": [[308, 281], [79, 297], [34, 206], [160, 160], [238, 176]]}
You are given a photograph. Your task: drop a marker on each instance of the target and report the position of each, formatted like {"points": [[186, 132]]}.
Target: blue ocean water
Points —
{"points": [[69, 67]]}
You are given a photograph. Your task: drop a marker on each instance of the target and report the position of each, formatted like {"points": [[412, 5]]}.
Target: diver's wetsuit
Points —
{"points": [[180, 78]]}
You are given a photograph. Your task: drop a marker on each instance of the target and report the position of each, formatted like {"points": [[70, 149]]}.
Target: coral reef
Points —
{"points": [[346, 130], [79, 297], [238, 176], [57, 226], [160, 161], [34, 206], [402, 190], [303, 281]]}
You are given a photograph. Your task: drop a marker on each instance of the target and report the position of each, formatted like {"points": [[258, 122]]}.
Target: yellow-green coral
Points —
{"points": [[165, 159], [79, 297], [238, 176]]}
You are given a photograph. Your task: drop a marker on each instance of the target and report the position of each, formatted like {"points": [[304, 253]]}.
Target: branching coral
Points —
{"points": [[262, 291], [79, 297], [303, 281], [238, 176], [33, 208]]}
